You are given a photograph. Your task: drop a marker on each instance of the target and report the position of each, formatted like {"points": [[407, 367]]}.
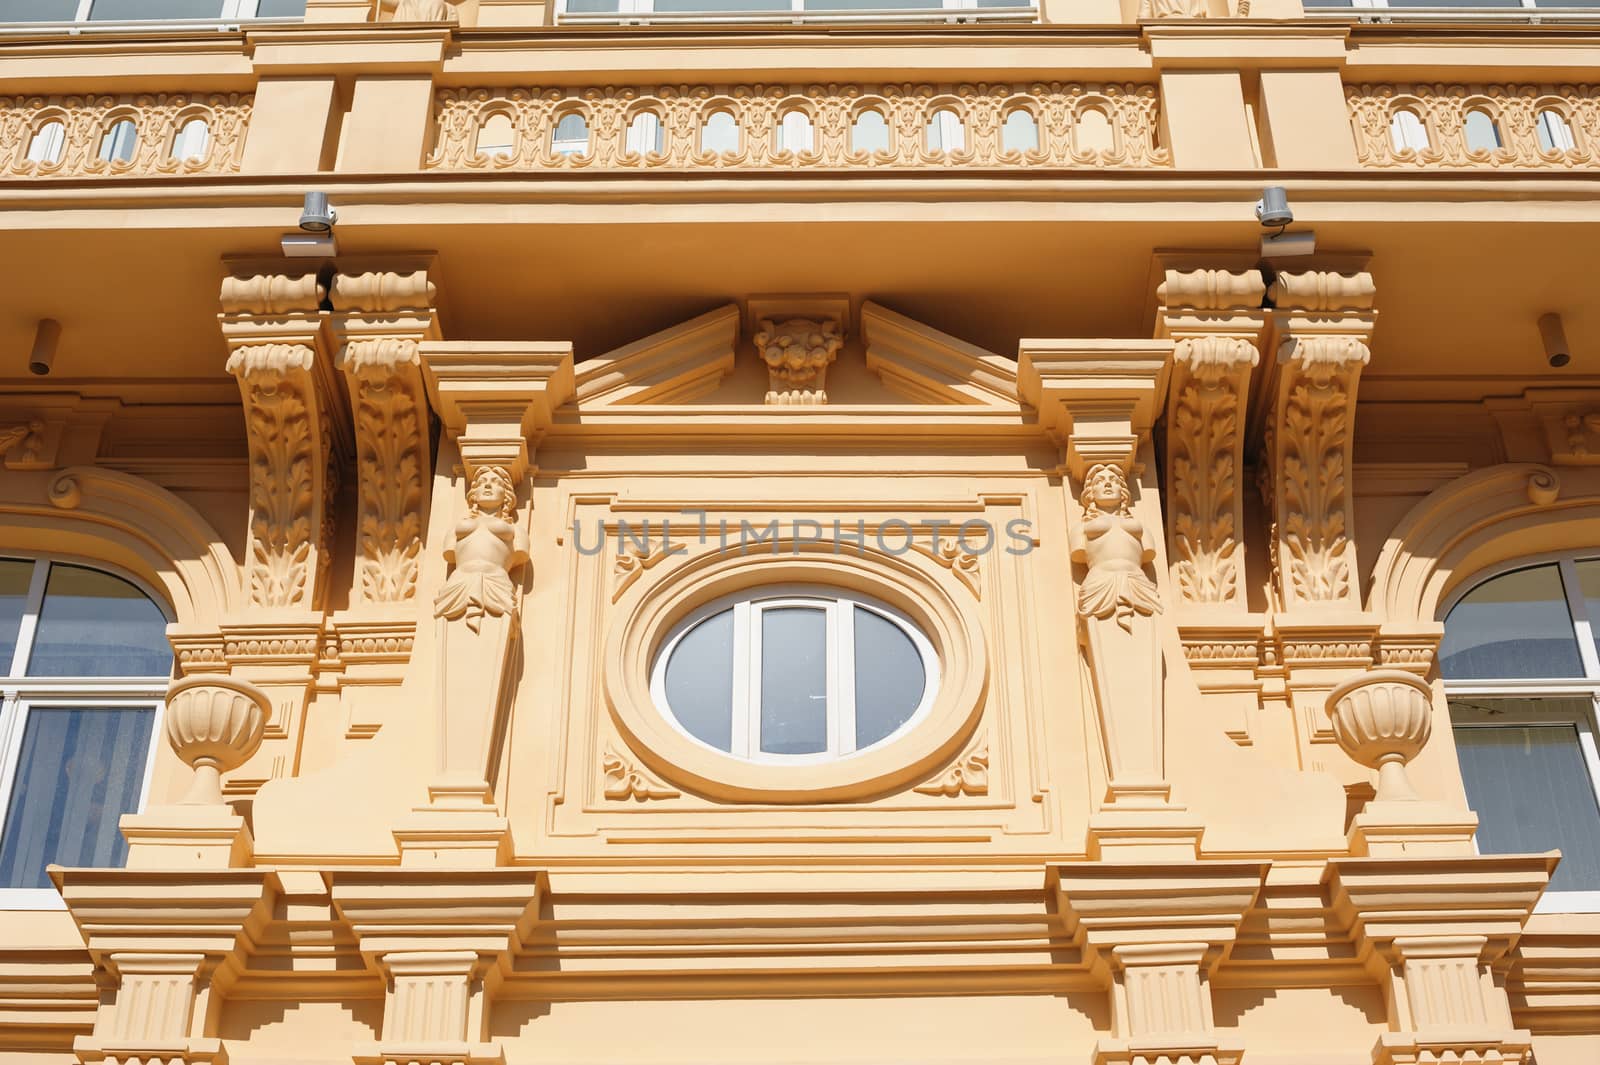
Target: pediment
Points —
{"points": [[925, 365], [674, 365]]}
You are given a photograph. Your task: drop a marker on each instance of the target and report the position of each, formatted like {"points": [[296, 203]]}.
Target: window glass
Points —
{"points": [[496, 137], [594, 6], [1532, 792], [14, 578], [699, 681], [1513, 625], [722, 5], [95, 625], [79, 771], [1092, 132], [48, 143], [1407, 132], [192, 141], [890, 680], [795, 133], [1555, 135], [118, 145], [571, 136], [945, 132], [644, 134], [870, 132], [128, 10], [794, 680], [1021, 133], [38, 10], [280, 8], [720, 134], [1482, 134]]}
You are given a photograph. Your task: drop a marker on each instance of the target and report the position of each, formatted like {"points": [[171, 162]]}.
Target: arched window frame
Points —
{"points": [[21, 694], [1571, 701], [839, 605]]}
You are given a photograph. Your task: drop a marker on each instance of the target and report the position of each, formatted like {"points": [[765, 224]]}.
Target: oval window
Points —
{"points": [[794, 674]]}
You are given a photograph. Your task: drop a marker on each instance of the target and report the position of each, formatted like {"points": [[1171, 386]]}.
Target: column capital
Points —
{"points": [[1100, 397], [497, 397]]}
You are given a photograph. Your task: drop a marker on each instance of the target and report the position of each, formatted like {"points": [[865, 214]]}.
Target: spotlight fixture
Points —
{"points": [[315, 239], [1272, 209], [1556, 349], [317, 217], [1273, 212], [45, 339]]}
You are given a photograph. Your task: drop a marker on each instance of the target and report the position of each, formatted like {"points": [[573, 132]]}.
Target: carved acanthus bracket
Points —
{"points": [[1216, 321], [1322, 323], [798, 352], [278, 351], [379, 320]]}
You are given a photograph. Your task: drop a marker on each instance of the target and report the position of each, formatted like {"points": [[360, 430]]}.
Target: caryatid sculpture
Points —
{"points": [[477, 607], [1118, 601]]}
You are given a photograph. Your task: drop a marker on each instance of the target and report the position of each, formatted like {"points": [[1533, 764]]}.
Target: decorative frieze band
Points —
{"points": [[97, 136], [796, 126], [1447, 125]]}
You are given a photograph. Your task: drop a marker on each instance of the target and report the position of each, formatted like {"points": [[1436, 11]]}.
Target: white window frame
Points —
{"points": [[643, 11], [1588, 685], [20, 694], [839, 606]]}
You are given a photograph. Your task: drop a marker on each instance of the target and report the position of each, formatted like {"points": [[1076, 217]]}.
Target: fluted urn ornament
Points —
{"points": [[1382, 719], [215, 724]]}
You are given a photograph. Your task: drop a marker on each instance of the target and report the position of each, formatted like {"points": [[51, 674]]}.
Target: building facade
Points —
{"points": [[813, 532]]}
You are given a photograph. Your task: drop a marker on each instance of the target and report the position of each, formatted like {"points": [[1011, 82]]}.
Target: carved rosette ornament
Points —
{"points": [[381, 318], [1215, 318], [1323, 321], [798, 352]]}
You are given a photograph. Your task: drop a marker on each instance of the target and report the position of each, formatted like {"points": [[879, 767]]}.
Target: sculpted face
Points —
{"points": [[1106, 490], [488, 493]]}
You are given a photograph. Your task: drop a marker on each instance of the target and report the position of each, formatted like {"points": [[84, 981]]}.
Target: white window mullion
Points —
{"points": [[746, 735], [30, 618], [841, 678], [83, 10], [1580, 618], [15, 721]]}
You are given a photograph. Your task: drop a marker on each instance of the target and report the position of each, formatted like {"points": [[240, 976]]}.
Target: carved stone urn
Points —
{"points": [[1382, 718], [214, 723]]}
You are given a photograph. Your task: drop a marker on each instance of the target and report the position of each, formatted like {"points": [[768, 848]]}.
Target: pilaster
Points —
{"points": [[1154, 934], [1435, 933], [1100, 399]]}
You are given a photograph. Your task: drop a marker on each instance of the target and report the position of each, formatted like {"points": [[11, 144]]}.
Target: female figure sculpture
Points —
{"points": [[1115, 550], [486, 548], [1118, 602]]}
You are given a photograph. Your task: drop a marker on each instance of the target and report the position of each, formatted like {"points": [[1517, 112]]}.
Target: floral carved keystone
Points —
{"points": [[798, 352]]}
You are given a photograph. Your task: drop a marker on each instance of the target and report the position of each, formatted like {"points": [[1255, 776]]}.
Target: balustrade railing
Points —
{"points": [[94, 136], [798, 127], [1443, 125]]}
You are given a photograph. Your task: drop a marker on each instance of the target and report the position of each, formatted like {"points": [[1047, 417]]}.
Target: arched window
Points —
{"points": [[87, 663], [1092, 132], [192, 141], [720, 134], [1522, 673], [120, 141], [795, 674], [1555, 135], [497, 137], [869, 132], [1407, 132], [645, 134], [795, 133], [571, 136], [1021, 132], [1482, 133], [945, 132], [48, 143]]}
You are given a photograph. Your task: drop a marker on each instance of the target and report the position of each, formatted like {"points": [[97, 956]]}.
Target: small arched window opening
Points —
{"points": [[795, 133], [1407, 132], [869, 132], [120, 142], [1021, 132], [1555, 133], [645, 134], [945, 132], [1482, 133], [1092, 131], [497, 137], [720, 134], [48, 143], [192, 141], [571, 136]]}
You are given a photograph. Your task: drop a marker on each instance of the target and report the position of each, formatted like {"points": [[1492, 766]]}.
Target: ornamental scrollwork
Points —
{"points": [[1465, 125], [390, 427], [968, 776], [624, 780], [167, 133], [638, 128]]}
